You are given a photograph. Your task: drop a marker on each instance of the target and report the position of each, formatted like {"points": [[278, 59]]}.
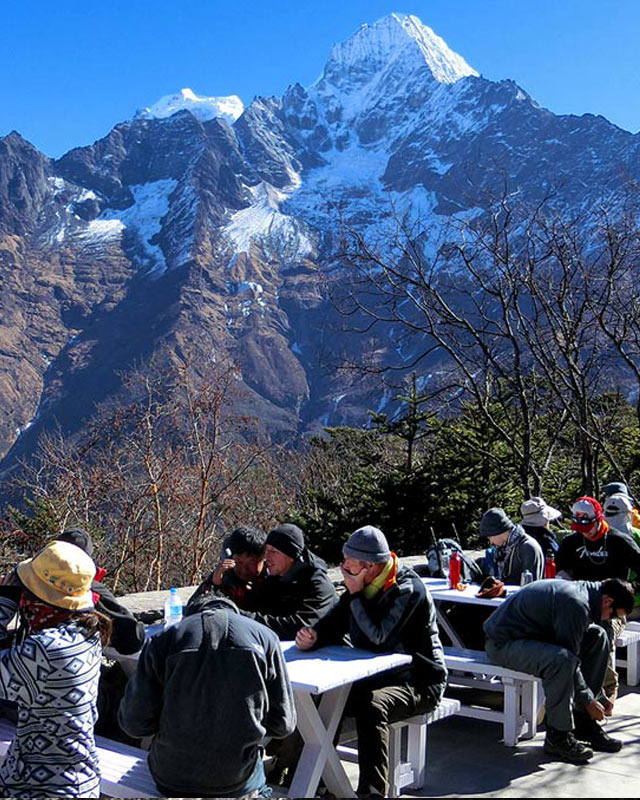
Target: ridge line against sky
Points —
{"points": [[72, 70]]}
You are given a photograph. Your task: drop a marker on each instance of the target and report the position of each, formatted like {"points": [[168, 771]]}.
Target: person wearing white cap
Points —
{"points": [[618, 511], [536, 517], [52, 673]]}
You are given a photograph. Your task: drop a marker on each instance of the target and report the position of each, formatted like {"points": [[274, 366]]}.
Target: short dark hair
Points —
{"points": [[621, 592], [246, 539]]}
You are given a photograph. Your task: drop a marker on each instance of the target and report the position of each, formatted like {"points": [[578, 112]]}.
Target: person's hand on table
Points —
{"points": [[223, 566], [306, 638], [595, 710]]}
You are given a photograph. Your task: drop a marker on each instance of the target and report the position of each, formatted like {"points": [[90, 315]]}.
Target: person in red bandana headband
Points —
{"points": [[595, 552]]}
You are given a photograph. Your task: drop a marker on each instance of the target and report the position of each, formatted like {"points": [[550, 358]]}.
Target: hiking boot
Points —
{"points": [[564, 746], [588, 730]]}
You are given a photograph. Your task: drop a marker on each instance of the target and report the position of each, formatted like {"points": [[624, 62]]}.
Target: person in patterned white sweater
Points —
{"points": [[52, 673]]}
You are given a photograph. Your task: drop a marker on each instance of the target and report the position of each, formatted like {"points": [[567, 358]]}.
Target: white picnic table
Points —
{"points": [[439, 590], [327, 671]]}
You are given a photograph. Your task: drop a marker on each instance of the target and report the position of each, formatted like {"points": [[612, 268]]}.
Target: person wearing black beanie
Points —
{"points": [[297, 588]]}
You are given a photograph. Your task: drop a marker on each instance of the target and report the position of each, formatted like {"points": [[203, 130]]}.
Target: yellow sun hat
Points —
{"points": [[61, 575]]}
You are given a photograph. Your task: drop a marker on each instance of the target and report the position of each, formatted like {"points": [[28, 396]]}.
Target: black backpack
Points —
{"points": [[470, 572]]}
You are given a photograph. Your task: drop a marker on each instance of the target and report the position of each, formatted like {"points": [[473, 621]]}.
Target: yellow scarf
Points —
{"points": [[384, 580]]}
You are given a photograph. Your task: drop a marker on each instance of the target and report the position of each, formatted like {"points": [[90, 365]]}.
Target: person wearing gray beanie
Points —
{"points": [[385, 609], [515, 551], [367, 544]]}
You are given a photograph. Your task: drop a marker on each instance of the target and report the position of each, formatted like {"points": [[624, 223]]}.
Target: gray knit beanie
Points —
{"points": [[494, 522], [367, 544]]}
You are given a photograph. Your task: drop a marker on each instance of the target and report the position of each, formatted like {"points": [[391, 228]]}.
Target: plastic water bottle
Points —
{"points": [[526, 577], [172, 609]]}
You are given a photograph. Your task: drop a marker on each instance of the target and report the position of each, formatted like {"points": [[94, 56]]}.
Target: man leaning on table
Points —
{"points": [[547, 629], [386, 609]]}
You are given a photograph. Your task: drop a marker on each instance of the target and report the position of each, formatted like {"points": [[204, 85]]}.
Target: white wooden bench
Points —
{"points": [[629, 639], [408, 748], [123, 769], [522, 692]]}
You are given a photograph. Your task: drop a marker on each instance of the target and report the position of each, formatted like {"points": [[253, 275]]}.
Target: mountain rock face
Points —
{"points": [[205, 229]]}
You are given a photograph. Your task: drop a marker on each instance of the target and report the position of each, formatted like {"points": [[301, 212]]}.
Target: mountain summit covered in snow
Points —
{"points": [[205, 227], [203, 108]]}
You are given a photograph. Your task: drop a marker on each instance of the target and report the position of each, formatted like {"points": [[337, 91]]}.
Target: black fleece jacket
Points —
{"points": [[286, 603], [208, 689], [127, 634], [401, 619]]}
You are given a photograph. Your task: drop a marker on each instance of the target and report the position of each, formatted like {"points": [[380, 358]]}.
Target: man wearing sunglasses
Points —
{"points": [[594, 551], [385, 609]]}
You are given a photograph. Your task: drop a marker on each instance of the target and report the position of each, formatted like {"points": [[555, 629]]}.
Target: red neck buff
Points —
{"points": [[39, 615]]}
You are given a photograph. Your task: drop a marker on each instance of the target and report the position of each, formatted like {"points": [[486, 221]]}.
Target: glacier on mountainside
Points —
{"points": [[143, 218]]}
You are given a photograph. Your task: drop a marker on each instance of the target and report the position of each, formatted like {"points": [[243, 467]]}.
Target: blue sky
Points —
{"points": [[71, 69]]}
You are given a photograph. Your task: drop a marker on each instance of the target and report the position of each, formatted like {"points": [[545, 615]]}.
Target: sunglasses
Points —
{"points": [[584, 520]]}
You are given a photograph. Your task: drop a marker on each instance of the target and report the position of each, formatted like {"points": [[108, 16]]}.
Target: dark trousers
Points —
{"points": [[375, 704]]}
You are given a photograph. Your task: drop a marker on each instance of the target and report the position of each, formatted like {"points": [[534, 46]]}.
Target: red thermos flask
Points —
{"points": [[455, 569], [549, 567]]}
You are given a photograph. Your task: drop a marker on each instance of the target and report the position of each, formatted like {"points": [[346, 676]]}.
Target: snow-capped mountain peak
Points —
{"points": [[373, 47], [203, 108]]}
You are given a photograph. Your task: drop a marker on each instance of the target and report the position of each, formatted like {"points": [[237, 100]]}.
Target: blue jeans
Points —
{"points": [[256, 785]]}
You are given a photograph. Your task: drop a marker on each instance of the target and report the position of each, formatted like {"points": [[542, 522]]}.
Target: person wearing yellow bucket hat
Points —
{"points": [[52, 673]]}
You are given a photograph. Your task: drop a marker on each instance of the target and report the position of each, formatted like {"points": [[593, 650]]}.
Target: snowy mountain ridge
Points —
{"points": [[202, 227]]}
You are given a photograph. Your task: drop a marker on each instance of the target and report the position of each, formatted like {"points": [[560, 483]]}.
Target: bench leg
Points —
{"points": [[512, 718], [417, 754], [530, 699], [395, 759], [633, 678], [410, 772]]}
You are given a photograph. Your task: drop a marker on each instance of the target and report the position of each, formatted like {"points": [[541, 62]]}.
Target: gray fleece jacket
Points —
{"points": [[208, 689], [553, 611], [525, 554]]}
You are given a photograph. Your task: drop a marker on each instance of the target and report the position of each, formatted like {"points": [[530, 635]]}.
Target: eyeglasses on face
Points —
{"points": [[584, 520]]}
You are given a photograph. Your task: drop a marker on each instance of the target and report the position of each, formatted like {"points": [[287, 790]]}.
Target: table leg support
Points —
{"points": [[317, 727]]}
